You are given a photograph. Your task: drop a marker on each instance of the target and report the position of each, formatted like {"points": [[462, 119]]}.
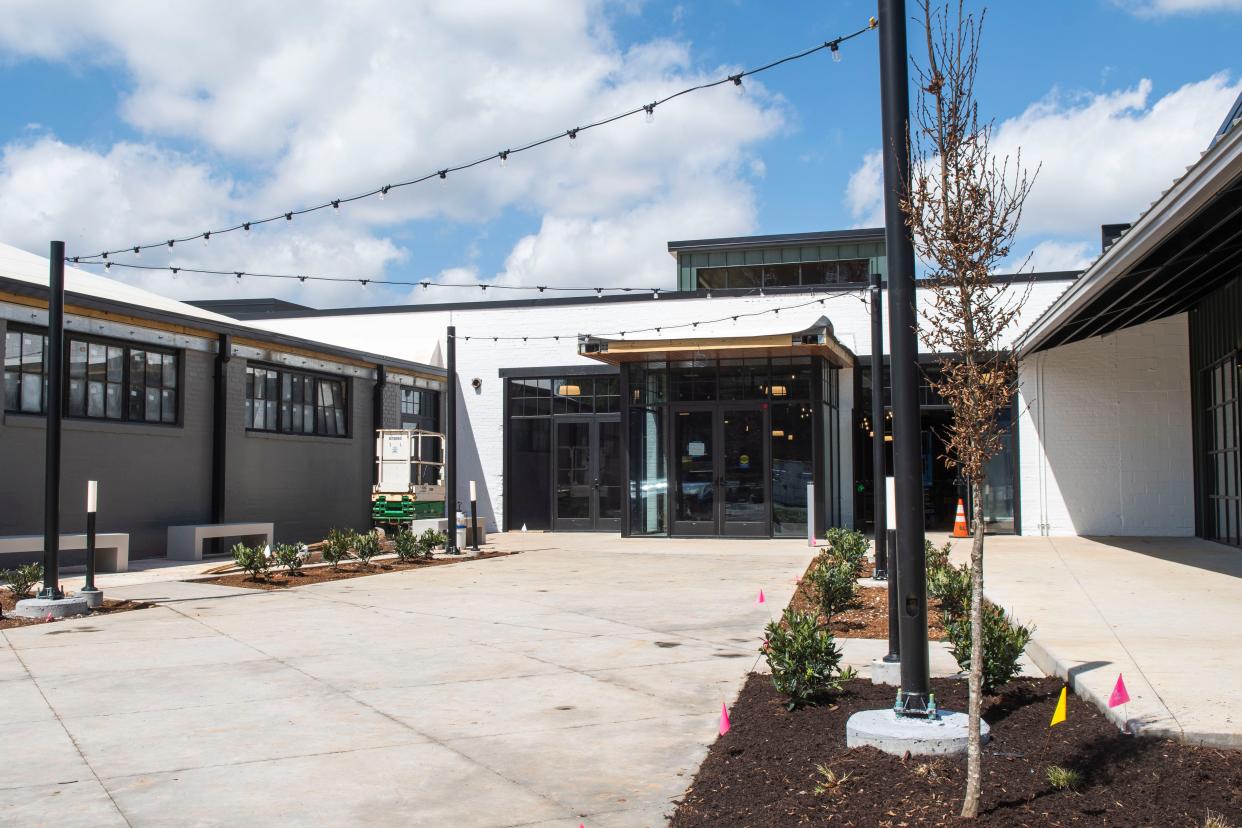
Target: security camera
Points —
{"points": [[476, 383]]}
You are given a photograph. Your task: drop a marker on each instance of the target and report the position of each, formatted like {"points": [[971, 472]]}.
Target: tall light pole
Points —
{"points": [[55, 356], [450, 440], [915, 696]]}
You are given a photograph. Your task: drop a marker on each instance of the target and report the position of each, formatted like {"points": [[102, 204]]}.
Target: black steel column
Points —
{"points": [[220, 430], [878, 467], [903, 351], [894, 619], [450, 441], [377, 412], [55, 356]]}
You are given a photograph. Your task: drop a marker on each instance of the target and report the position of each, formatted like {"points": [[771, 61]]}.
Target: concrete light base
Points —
{"points": [[55, 607], [886, 672], [885, 730], [94, 597]]}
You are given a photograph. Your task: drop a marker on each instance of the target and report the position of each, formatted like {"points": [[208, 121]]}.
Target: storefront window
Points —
{"points": [[792, 466]]}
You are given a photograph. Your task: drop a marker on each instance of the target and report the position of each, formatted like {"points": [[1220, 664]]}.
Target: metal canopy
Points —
{"points": [[1198, 257], [818, 340]]}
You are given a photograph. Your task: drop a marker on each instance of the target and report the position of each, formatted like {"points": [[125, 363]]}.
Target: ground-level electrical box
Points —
{"points": [[410, 475]]}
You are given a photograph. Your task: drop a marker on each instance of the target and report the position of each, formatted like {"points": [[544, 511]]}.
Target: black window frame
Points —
{"points": [[424, 409], [128, 349], [284, 424]]}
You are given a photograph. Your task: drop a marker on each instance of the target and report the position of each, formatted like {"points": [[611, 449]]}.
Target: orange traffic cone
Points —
{"points": [[959, 522]]}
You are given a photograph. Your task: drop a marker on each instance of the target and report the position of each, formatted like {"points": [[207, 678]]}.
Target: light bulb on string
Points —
{"points": [[573, 136], [737, 84], [206, 238], [246, 227], [443, 175], [138, 252], [504, 157], [383, 191], [835, 48], [650, 108]]}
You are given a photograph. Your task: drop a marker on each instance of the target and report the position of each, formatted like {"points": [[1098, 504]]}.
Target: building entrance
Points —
{"points": [[721, 470], [588, 474]]}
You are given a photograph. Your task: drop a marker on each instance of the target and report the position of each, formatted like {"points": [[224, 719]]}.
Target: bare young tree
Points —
{"points": [[963, 208]]}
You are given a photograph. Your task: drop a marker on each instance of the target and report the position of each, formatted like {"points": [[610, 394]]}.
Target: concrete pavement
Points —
{"points": [[1164, 612], [579, 681]]}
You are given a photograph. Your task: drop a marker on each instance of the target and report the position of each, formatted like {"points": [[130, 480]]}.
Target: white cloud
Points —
{"points": [[1052, 255], [1102, 157], [1160, 8], [864, 194], [312, 100]]}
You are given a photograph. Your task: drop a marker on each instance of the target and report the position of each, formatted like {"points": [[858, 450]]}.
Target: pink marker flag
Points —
{"points": [[1119, 696], [724, 719], [760, 599]]}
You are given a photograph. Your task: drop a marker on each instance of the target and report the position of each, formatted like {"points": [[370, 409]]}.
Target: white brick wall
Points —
{"points": [[420, 335], [1105, 435]]}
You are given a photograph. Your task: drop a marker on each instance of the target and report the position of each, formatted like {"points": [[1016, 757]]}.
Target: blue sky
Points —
{"points": [[125, 124]]}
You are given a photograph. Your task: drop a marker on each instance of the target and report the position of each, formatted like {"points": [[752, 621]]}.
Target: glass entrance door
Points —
{"points": [[721, 471], [588, 474]]}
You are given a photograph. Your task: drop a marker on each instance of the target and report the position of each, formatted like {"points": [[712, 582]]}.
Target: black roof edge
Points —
{"points": [[37, 291], [638, 295], [263, 304], [815, 237]]}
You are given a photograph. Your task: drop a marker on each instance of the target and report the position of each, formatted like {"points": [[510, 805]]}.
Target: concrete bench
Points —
{"points": [[185, 543], [111, 548]]}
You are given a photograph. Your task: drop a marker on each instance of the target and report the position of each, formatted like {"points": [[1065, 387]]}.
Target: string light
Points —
{"points": [[503, 155], [855, 294]]}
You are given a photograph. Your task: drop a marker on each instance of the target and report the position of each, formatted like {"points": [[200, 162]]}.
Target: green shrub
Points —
{"points": [[291, 556], [1003, 642], [937, 557], [366, 547], [337, 546], [407, 546], [430, 540], [804, 658], [848, 545], [835, 583], [253, 559], [21, 579], [951, 586]]}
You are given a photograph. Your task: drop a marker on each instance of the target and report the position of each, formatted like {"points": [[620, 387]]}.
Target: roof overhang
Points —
{"points": [[818, 340], [1186, 245]]}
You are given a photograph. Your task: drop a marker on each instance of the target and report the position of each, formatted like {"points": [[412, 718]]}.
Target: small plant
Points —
{"points": [[1064, 779], [829, 781], [407, 546], [848, 545], [951, 586], [21, 579], [1003, 642], [835, 584], [1215, 820], [430, 540], [337, 546], [255, 560], [366, 547], [804, 658], [291, 556], [937, 557]]}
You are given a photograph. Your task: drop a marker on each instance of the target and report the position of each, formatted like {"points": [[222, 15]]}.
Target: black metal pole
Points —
{"points": [[93, 598], [220, 430], [894, 620], [51, 475], [450, 441], [903, 350], [474, 519], [880, 507]]}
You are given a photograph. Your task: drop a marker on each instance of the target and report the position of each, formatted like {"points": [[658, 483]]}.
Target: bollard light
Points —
{"points": [[474, 518], [94, 598]]}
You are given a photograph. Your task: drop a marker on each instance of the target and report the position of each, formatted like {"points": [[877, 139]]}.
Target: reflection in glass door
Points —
{"points": [[588, 474], [721, 471], [694, 495], [743, 478]]}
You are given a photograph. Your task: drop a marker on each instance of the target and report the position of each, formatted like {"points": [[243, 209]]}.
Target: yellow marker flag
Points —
{"points": [[1058, 715]]}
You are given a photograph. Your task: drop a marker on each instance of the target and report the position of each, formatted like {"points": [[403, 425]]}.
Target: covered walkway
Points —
{"points": [[1164, 612]]}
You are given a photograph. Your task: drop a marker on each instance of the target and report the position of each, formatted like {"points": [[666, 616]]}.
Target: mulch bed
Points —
{"points": [[763, 772], [320, 574], [8, 603], [868, 616]]}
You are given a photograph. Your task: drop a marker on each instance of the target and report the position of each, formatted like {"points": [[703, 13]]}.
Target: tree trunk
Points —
{"points": [[974, 750]]}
